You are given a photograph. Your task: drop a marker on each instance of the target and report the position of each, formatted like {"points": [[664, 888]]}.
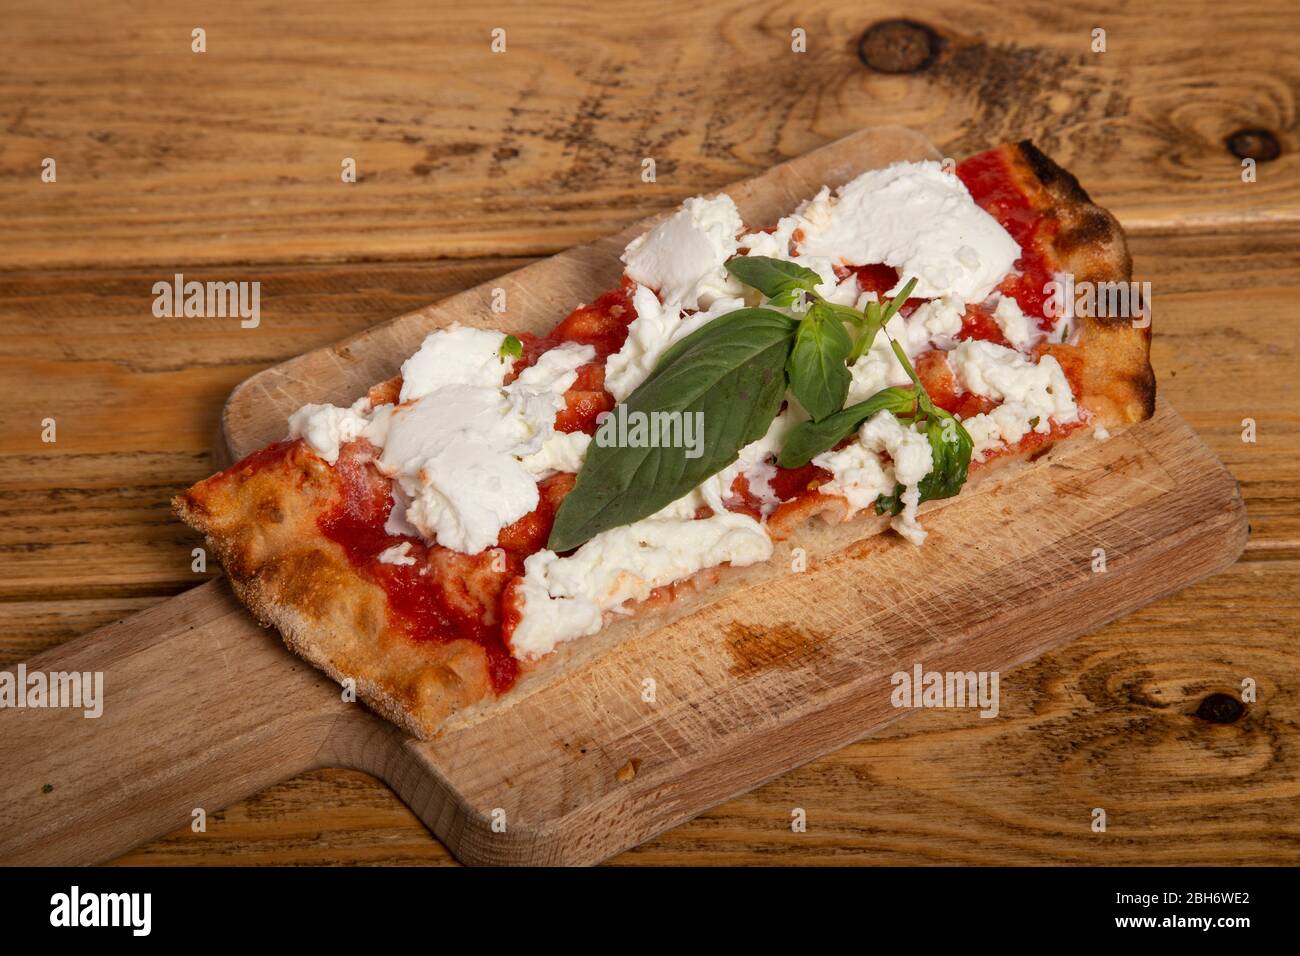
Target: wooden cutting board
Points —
{"points": [[202, 707]]}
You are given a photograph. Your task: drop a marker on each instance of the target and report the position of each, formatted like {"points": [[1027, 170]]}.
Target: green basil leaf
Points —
{"points": [[845, 314], [950, 449], [730, 372], [511, 347], [723, 326], [808, 440], [772, 277], [891, 504], [818, 376], [792, 299]]}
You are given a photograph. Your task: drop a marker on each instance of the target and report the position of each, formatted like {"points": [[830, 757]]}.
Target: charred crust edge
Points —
{"points": [[1144, 384], [1094, 239], [1086, 228], [1059, 180]]}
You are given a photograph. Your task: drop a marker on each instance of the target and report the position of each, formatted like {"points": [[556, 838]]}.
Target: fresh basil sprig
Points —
{"points": [[875, 319], [823, 349], [734, 372], [950, 444], [809, 439], [730, 371], [818, 374]]}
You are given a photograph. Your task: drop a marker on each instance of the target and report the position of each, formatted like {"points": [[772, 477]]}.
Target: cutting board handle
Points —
{"points": [[200, 708]]}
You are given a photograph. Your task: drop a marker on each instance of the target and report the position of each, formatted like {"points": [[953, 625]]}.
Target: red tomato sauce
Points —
{"points": [[877, 278], [585, 401], [787, 484], [459, 596], [994, 187], [602, 324], [978, 323], [421, 605], [1033, 441]]}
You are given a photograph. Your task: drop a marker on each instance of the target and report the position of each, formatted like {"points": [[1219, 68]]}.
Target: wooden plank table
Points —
{"points": [[225, 165]]}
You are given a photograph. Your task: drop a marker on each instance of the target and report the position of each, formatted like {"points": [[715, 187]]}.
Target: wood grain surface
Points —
{"points": [[226, 165]]}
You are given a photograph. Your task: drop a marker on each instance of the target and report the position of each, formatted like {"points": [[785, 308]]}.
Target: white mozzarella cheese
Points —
{"points": [[1019, 329], [920, 220], [458, 355], [326, 428], [860, 474], [683, 257], [657, 325], [563, 451], [397, 554], [1032, 395], [566, 597], [464, 450]]}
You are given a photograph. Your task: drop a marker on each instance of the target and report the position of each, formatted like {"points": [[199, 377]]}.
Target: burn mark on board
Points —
{"points": [[755, 648], [507, 148], [441, 156], [1028, 89], [607, 128]]}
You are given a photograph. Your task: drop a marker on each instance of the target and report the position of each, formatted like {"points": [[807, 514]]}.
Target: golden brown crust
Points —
{"points": [[1119, 385], [261, 521]]}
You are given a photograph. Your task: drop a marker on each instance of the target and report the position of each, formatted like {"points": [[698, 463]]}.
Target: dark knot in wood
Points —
{"points": [[1257, 144], [1220, 709], [898, 46]]}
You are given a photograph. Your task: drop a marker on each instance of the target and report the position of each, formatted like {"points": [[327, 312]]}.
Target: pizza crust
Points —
{"points": [[261, 522], [1119, 386]]}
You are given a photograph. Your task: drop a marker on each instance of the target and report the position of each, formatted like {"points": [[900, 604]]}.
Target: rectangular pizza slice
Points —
{"points": [[511, 505]]}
